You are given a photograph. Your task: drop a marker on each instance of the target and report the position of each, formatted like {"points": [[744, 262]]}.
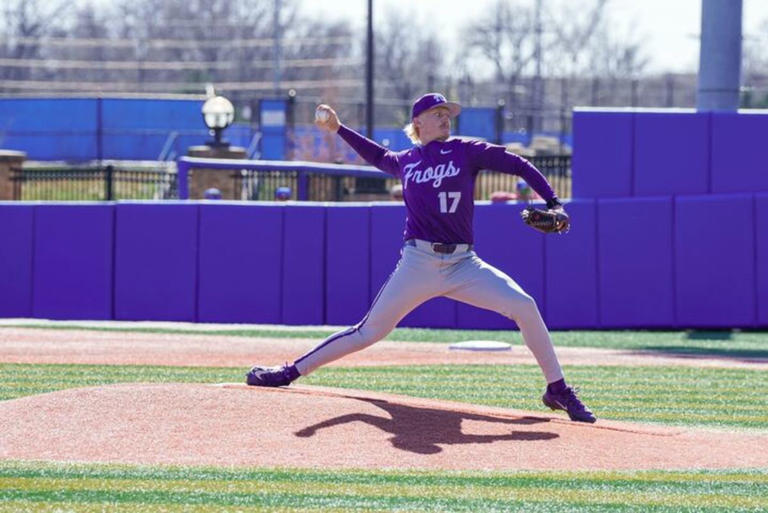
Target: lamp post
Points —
{"points": [[218, 114]]}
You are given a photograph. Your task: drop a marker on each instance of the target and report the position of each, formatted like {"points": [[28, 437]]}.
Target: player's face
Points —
{"points": [[434, 124]]}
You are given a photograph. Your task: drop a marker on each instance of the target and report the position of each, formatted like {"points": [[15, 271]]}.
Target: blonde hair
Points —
{"points": [[413, 133]]}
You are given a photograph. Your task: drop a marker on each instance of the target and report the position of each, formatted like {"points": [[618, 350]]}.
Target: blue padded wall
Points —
{"points": [[156, 261], [504, 242], [477, 122], [761, 229], [73, 261], [738, 152], [671, 154], [50, 128], [138, 128], [571, 270], [347, 269], [241, 247], [304, 265], [715, 261], [635, 258], [16, 247], [602, 153]]}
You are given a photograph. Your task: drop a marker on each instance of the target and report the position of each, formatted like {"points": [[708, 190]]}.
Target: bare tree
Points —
{"points": [[409, 60], [22, 25], [573, 25], [503, 38], [214, 38], [754, 68]]}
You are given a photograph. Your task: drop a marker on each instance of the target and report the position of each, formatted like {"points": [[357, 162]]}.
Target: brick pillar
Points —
{"points": [[221, 179], [9, 161]]}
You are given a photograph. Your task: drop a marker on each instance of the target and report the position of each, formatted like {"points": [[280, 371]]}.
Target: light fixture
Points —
{"points": [[218, 114]]}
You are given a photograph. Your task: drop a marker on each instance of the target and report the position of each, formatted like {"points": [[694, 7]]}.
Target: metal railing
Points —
{"points": [[318, 185], [556, 169], [252, 180], [92, 184]]}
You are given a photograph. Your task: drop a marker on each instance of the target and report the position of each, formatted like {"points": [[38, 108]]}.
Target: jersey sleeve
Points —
{"points": [[493, 157], [371, 152]]}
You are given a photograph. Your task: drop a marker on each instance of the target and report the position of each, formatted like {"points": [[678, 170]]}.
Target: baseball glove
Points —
{"points": [[546, 221]]}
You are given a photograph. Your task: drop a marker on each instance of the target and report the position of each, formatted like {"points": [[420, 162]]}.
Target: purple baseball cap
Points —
{"points": [[432, 100]]}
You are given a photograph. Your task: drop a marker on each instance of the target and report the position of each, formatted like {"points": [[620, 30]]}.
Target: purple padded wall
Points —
{"points": [[671, 153], [347, 264], [761, 229], [156, 261], [239, 275], [602, 153], [571, 270], [304, 265], [387, 225], [715, 261], [16, 249], [504, 242], [73, 261], [635, 258], [439, 312], [738, 158]]}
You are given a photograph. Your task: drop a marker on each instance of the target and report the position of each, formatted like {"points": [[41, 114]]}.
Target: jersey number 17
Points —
{"points": [[444, 197]]}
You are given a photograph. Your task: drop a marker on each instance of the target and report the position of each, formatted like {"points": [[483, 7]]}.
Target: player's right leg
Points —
{"points": [[413, 281]]}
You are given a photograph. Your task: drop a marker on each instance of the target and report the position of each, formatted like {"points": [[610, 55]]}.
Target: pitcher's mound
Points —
{"points": [[304, 426]]}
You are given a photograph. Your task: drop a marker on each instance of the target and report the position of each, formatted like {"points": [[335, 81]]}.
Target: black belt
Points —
{"points": [[439, 247]]}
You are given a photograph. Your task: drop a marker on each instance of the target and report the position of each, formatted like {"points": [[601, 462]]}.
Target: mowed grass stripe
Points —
{"points": [[668, 395], [383, 497], [453, 478], [455, 489], [371, 490], [726, 343]]}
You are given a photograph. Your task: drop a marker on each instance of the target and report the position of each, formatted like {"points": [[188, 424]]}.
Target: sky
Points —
{"points": [[670, 27]]}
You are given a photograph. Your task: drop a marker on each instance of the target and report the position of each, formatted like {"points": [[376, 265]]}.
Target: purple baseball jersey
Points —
{"points": [[439, 181]]}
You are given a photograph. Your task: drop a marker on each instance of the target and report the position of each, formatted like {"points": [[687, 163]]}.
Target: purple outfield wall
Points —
{"points": [[639, 152], [626, 263], [16, 258]]}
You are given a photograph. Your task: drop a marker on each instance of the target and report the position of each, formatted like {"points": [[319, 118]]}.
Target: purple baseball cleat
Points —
{"points": [[279, 376], [568, 402]]}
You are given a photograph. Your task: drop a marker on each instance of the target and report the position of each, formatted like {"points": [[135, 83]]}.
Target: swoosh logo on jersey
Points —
{"points": [[443, 152]]}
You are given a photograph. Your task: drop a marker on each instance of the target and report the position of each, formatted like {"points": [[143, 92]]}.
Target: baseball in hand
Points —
{"points": [[322, 115]]}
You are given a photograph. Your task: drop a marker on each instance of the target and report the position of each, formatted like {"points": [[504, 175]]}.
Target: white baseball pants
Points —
{"points": [[422, 274]]}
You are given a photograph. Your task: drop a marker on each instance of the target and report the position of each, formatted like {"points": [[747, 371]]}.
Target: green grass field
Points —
{"points": [[49, 487], [684, 396]]}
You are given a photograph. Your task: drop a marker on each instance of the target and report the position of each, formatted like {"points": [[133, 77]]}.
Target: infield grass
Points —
{"points": [[37, 487], [687, 396], [732, 344]]}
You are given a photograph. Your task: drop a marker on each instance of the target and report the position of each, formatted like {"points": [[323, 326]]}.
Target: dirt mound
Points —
{"points": [[304, 426]]}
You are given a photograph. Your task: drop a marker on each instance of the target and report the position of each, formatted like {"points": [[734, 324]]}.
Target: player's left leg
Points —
{"points": [[477, 283]]}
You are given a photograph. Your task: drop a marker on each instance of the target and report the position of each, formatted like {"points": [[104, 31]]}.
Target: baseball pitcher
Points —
{"points": [[438, 179]]}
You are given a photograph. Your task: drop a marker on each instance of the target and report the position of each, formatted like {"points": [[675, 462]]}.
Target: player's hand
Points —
{"points": [[326, 118]]}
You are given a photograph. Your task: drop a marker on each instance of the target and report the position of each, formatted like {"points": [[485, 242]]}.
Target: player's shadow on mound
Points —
{"points": [[420, 430]]}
